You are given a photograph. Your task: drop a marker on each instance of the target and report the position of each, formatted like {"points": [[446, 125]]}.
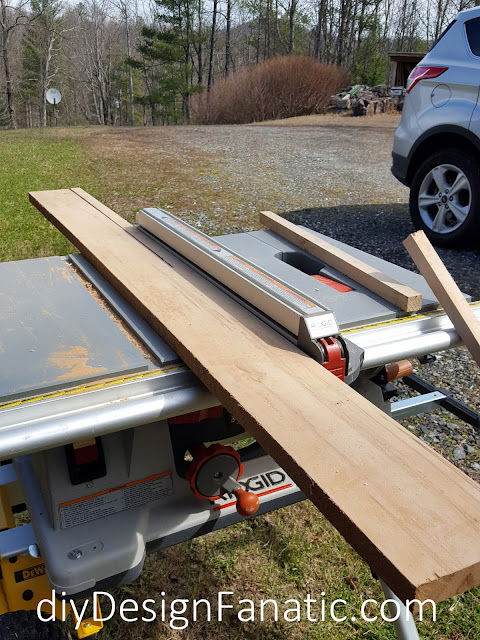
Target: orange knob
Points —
{"points": [[399, 369], [247, 502]]}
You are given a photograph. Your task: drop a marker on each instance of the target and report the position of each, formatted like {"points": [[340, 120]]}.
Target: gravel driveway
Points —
{"points": [[301, 166], [332, 174]]}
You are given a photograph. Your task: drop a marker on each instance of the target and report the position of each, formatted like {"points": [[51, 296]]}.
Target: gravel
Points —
{"points": [[455, 372], [332, 174], [342, 161], [459, 453]]}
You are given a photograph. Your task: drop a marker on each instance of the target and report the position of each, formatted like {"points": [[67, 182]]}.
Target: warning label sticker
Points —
{"points": [[110, 501]]}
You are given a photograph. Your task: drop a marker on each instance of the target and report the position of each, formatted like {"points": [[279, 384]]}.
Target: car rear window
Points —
{"points": [[442, 34], [472, 28]]}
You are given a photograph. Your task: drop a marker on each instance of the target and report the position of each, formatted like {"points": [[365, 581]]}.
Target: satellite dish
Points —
{"points": [[53, 96]]}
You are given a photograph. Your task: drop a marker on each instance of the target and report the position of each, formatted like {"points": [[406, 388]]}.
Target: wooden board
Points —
{"points": [[446, 290], [384, 286], [408, 512]]}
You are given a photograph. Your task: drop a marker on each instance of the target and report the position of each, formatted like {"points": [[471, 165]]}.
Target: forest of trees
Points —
{"points": [[122, 62]]}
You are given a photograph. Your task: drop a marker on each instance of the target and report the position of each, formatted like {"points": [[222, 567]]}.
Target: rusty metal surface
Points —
{"points": [[53, 334]]}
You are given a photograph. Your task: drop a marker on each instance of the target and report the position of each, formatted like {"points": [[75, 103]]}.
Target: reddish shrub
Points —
{"points": [[282, 87]]}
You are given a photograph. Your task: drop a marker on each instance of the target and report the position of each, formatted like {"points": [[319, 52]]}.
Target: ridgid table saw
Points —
{"points": [[116, 448]]}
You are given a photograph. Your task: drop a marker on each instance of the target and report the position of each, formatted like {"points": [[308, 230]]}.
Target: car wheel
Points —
{"points": [[445, 198], [25, 625]]}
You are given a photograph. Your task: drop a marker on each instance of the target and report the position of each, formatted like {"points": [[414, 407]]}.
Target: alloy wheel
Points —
{"points": [[444, 198]]}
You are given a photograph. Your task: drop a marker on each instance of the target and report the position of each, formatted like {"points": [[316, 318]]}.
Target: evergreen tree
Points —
{"points": [[166, 52]]}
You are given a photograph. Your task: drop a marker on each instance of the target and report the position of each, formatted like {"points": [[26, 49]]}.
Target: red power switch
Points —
{"points": [[85, 451], [85, 460]]}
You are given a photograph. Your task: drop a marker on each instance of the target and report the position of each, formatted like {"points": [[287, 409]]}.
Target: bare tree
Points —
{"points": [[40, 51], [227, 36], [96, 55], [12, 17], [212, 44], [124, 7], [198, 42], [320, 29]]}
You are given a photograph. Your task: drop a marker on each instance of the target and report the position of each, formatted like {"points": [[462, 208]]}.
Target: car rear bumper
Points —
{"points": [[400, 167]]}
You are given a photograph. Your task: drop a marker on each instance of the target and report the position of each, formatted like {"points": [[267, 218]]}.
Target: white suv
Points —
{"points": [[436, 150]]}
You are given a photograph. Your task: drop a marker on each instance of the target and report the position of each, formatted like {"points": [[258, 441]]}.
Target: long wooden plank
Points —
{"points": [[407, 511], [383, 285], [446, 290]]}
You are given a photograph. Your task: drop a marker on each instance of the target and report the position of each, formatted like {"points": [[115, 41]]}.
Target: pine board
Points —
{"points": [[386, 287], [446, 290]]}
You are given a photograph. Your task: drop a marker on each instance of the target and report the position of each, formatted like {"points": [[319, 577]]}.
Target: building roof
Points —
{"points": [[406, 56]]}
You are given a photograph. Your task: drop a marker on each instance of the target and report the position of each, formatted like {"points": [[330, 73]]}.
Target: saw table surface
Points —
{"points": [[355, 308], [54, 334]]}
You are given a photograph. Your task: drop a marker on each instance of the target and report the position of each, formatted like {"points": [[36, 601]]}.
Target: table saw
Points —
{"points": [[117, 449]]}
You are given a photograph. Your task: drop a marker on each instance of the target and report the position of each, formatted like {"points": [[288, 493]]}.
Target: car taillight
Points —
{"points": [[423, 73]]}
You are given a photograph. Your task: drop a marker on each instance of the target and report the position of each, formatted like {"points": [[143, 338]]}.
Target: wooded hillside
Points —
{"points": [[120, 62]]}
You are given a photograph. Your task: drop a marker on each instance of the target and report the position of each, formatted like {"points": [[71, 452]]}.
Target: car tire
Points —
{"points": [[445, 198], [25, 625]]}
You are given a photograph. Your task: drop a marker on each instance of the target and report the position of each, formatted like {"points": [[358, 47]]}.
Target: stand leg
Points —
{"points": [[406, 629]]}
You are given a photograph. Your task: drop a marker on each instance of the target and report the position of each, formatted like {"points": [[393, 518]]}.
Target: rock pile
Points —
{"points": [[361, 100]]}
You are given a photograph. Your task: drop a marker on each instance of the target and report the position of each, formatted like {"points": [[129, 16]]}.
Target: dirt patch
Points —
{"points": [[145, 168], [380, 121]]}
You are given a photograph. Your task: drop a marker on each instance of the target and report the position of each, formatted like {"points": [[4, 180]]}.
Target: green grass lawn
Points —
{"points": [[286, 554], [34, 160]]}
